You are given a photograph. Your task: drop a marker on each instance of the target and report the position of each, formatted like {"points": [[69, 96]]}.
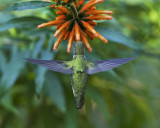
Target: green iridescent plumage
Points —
{"points": [[79, 77]]}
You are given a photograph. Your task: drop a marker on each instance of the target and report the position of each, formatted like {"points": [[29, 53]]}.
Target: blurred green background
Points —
{"points": [[126, 97]]}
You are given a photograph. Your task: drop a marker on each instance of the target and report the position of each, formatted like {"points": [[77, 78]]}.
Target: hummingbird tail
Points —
{"points": [[79, 101]]}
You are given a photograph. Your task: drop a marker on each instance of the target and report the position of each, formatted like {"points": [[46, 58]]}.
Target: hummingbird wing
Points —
{"points": [[102, 65], [57, 66]]}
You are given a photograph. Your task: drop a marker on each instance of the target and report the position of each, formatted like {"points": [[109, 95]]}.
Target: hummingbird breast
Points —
{"points": [[79, 81]]}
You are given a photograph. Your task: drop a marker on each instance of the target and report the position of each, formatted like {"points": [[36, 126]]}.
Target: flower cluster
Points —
{"points": [[77, 22]]}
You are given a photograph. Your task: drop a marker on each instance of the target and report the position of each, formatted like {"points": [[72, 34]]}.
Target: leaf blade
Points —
{"points": [[117, 37], [53, 88], [12, 69], [41, 72], [22, 22], [26, 5]]}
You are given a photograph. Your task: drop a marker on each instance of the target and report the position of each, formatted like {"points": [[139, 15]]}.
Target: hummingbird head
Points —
{"points": [[78, 48]]}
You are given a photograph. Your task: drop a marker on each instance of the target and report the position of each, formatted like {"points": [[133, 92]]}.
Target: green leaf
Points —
{"points": [[6, 17], [2, 62], [117, 37], [7, 102], [40, 32], [93, 93], [41, 71], [53, 88], [38, 46], [50, 42], [114, 24], [71, 116], [22, 22], [12, 69], [26, 5]]}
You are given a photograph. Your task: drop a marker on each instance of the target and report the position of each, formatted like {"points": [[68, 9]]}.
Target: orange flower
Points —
{"points": [[70, 40], [77, 25], [77, 32]]}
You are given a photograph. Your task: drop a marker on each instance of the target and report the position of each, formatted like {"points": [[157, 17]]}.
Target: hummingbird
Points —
{"points": [[79, 69]]}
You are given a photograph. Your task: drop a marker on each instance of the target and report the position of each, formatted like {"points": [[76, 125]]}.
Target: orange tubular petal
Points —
{"points": [[92, 23], [95, 12], [80, 2], [61, 17], [67, 35], [77, 32], [52, 6], [59, 13], [65, 1], [63, 9], [89, 34], [89, 28], [98, 17], [58, 26], [51, 23], [91, 9], [59, 40], [62, 28], [90, 1], [91, 4], [70, 41], [87, 4], [102, 38], [85, 41]]}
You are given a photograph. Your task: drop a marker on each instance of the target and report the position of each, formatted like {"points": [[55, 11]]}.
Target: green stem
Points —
{"points": [[74, 12]]}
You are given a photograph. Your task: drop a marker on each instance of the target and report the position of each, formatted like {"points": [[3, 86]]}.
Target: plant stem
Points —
{"points": [[74, 12]]}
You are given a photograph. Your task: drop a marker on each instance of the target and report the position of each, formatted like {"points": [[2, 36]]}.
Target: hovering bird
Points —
{"points": [[79, 69]]}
